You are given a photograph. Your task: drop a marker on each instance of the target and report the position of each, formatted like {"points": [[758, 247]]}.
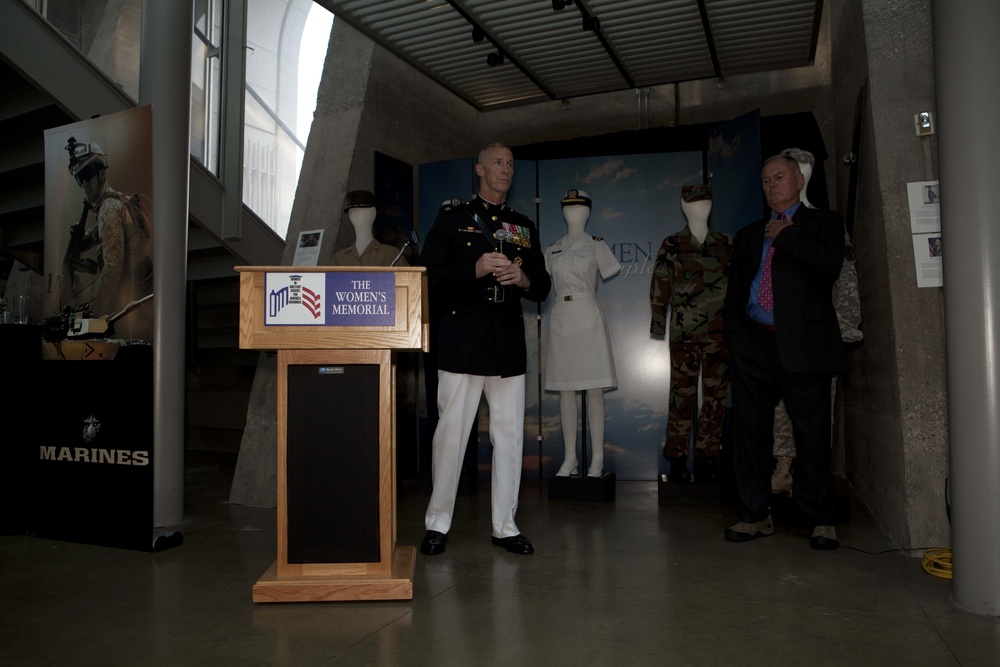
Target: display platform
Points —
{"points": [[588, 489], [93, 453]]}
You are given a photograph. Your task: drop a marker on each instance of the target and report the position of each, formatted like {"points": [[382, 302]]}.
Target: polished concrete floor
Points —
{"points": [[629, 583]]}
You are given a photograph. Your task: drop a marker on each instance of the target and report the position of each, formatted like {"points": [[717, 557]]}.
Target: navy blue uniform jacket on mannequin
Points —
{"points": [[480, 326]]}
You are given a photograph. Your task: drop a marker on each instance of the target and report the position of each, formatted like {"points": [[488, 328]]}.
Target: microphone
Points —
{"points": [[502, 235], [413, 240]]}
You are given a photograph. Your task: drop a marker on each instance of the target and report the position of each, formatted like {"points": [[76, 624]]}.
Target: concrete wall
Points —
{"points": [[369, 100], [895, 392]]}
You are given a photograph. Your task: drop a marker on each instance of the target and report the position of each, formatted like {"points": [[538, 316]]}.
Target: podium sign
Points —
{"points": [[330, 299], [335, 330]]}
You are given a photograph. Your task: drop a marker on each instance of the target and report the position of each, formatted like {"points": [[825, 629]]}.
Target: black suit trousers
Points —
{"points": [[758, 382]]}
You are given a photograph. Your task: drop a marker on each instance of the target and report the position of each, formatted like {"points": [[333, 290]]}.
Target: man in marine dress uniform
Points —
{"points": [[476, 291]]}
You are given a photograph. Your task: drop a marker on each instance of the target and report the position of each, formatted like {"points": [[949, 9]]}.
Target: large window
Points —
{"points": [[206, 82], [106, 32], [286, 48]]}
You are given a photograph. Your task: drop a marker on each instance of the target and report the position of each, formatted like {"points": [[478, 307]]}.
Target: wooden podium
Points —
{"points": [[335, 330]]}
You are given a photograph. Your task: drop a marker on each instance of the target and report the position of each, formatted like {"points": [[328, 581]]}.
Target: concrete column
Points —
{"points": [[967, 73], [165, 83], [330, 164]]}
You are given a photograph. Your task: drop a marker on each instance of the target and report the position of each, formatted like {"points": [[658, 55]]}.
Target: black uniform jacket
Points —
{"points": [[476, 329], [807, 259]]}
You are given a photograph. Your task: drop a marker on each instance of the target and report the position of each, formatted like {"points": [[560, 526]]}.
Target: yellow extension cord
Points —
{"points": [[937, 562]]}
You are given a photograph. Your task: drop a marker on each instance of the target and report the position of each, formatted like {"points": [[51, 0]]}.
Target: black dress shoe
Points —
{"points": [[518, 544], [434, 543]]}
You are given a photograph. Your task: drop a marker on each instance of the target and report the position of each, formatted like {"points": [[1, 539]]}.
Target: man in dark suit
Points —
{"points": [[784, 342], [482, 257]]}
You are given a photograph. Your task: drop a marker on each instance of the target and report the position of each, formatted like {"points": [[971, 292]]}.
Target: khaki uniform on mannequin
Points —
{"points": [[846, 303], [366, 251], [690, 278], [579, 354]]}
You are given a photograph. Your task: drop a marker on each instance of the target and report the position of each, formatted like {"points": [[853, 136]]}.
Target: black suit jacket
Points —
{"points": [[807, 260], [468, 333]]}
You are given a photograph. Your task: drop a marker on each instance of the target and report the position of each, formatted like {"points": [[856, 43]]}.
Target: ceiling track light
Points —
{"points": [[494, 59], [560, 4], [477, 34], [591, 23]]}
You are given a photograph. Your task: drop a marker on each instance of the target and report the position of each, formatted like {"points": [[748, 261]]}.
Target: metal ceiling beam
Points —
{"points": [[817, 18], [463, 11], [593, 24], [709, 39]]}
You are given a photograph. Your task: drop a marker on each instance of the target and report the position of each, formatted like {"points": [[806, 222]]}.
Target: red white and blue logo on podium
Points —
{"points": [[330, 299]]}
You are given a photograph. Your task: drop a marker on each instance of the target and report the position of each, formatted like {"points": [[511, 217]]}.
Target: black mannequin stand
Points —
{"points": [[580, 486]]}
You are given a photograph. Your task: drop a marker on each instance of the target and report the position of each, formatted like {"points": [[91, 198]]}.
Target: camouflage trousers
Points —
{"points": [[686, 360]]}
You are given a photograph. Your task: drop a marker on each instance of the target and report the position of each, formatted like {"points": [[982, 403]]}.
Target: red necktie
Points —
{"points": [[765, 293]]}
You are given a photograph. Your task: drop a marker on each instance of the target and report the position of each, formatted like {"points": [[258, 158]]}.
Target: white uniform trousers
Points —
{"points": [[458, 402]]}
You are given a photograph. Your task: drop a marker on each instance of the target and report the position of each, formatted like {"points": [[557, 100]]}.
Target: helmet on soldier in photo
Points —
{"points": [[82, 156]]}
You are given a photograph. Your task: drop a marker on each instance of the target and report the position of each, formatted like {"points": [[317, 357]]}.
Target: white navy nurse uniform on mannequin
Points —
{"points": [[579, 347]]}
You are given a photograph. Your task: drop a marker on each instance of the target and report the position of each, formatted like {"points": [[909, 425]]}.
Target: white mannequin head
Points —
{"points": [[576, 211], [361, 212], [361, 220], [806, 161], [696, 202]]}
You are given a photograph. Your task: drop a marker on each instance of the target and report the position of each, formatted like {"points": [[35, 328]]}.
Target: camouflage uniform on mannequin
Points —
{"points": [[689, 278], [847, 303]]}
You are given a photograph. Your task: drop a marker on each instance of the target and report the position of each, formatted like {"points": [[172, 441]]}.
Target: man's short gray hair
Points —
{"points": [[495, 144], [788, 160]]}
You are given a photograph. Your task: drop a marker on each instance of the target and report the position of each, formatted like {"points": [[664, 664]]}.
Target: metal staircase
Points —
{"points": [[44, 83]]}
